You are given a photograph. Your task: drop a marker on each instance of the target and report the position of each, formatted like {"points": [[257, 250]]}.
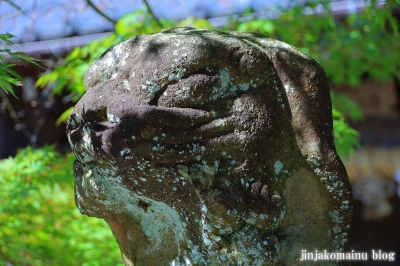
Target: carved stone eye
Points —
{"points": [[74, 122]]}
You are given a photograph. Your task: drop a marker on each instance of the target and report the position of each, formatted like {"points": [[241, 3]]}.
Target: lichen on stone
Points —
{"points": [[200, 147]]}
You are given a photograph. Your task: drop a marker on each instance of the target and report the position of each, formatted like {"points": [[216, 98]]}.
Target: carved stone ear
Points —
{"points": [[201, 147], [307, 91]]}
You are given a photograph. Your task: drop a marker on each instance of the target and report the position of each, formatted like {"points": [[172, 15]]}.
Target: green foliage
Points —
{"points": [[39, 223], [346, 138], [361, 43], [348, 108], [9, 77]]}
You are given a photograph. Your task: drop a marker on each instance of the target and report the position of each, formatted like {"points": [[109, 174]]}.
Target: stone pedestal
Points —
{"points": [[200, 147]]}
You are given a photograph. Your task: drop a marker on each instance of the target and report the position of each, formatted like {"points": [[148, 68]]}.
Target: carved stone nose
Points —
{"points": [[74, 123]]}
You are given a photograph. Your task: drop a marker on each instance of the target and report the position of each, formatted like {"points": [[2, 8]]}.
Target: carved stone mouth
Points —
{"points": [[130, 137]]}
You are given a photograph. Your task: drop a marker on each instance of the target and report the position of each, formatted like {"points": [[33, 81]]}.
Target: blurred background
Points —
{"points": [[47, 45]]}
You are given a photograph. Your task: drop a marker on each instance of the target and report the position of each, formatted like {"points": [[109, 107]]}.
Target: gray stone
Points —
{"points": [[201, 147]]}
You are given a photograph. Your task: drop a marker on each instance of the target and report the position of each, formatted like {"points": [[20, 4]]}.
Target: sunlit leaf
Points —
{"points": [[64, 116], [40, 224]]}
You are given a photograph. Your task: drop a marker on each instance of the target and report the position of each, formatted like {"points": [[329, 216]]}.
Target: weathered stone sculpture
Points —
{"points": [[200, 147]]}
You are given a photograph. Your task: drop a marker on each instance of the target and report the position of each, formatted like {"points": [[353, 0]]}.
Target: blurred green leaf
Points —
{"points": [[346, 138], [64, 116], [9, 77], [39, 222]]}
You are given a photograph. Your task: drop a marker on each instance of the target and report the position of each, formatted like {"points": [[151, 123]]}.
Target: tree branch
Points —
{"points": [[89, 2], [152, 14], [15, 117]]}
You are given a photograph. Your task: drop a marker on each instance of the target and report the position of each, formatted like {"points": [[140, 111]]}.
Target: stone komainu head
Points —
{"points": [[207, 148]]}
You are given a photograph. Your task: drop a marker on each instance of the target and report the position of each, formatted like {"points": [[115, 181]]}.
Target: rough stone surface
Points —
{"points": [[200, 147]]}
